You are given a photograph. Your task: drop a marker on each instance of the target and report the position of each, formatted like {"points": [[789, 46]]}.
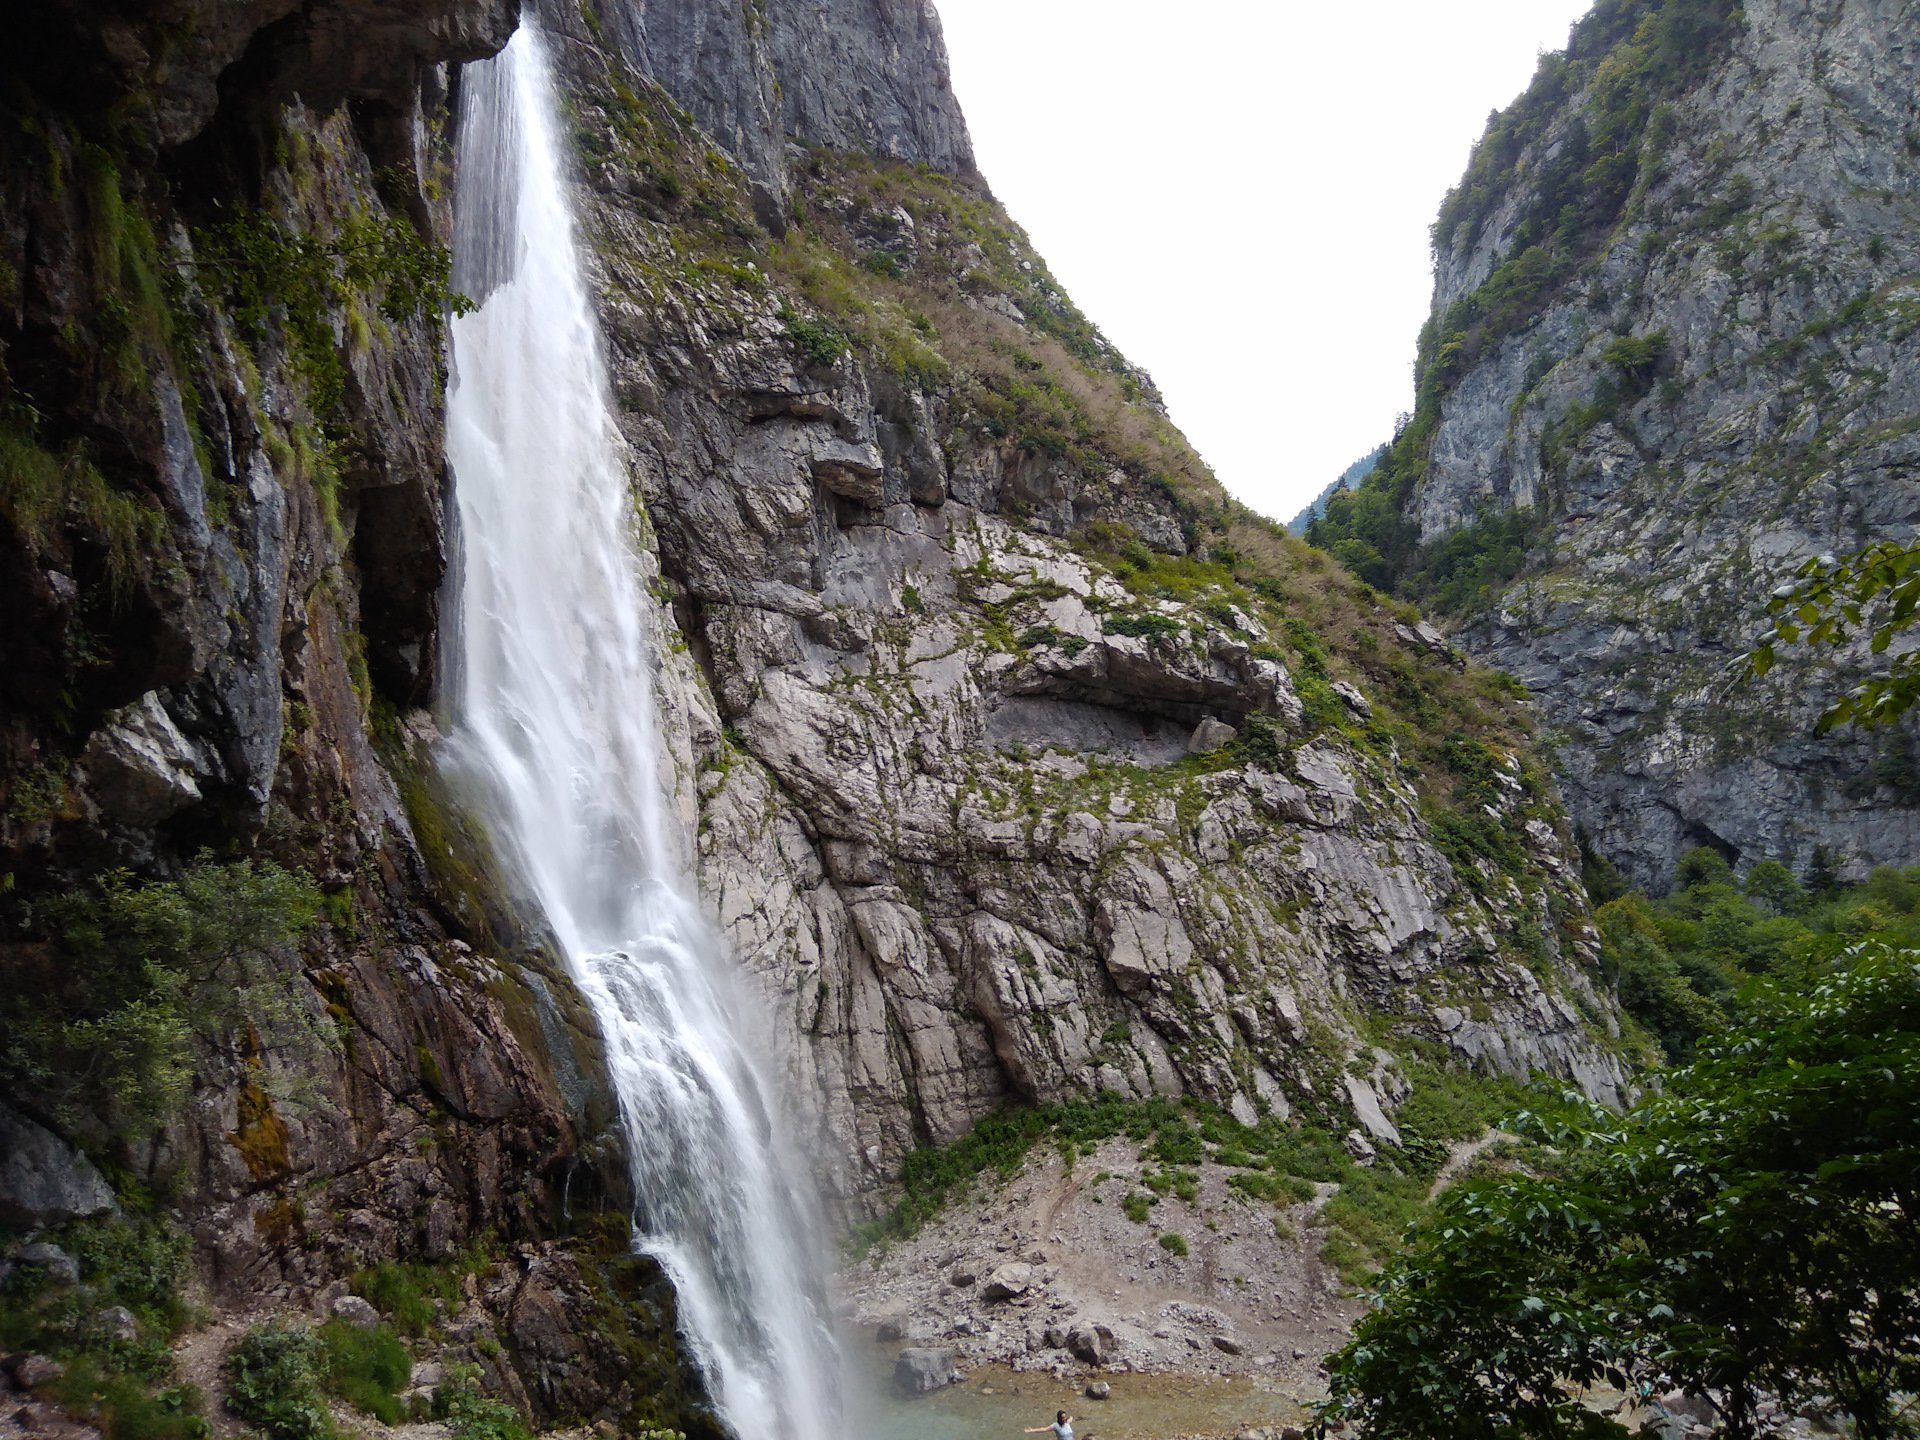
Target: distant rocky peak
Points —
{"points": [[853, 75]]}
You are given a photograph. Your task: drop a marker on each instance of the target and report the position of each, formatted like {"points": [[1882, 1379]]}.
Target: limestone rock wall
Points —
{"points": [[981, 819], [867, 75]]}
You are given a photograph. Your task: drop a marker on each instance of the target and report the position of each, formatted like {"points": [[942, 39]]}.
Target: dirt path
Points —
{"points": [[1465, 1152]]}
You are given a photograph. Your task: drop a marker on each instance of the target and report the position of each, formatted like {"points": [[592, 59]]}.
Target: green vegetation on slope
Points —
{"points": [[120, 1371], [1277, 1163], [1681, 963], [134, 979]]}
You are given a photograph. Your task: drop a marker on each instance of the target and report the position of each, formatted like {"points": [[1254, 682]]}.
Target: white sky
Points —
{"points": [[1238, 193]]}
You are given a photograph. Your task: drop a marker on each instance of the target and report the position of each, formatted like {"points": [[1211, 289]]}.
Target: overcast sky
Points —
{"points": [[1238, 193]]}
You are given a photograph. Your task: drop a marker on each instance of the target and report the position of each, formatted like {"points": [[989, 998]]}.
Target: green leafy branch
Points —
{"points": [[1875, 592]]}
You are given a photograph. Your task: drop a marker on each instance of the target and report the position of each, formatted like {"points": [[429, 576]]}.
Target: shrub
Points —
{"points": [[1136, 1206], [473, 1416], [126, 1408], [149, 973], [1173, 1242], [818, 342], [273, 1382]]}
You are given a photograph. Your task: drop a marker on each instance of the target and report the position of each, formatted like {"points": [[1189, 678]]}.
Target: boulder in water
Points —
{"points": [[919, 1370]]}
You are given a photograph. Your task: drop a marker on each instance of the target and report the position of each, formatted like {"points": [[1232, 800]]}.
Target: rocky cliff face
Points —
{"points": [[1017, 765], [1674, 311], [221, 552], [851, 75]]}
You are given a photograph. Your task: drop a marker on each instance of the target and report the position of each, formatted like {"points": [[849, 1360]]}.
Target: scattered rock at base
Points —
{"points": [[1091, 1343], [919, 1370]]}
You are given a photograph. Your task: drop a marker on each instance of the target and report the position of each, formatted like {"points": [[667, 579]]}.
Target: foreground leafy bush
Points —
{"points": [[273, 1382], [1755, 1228]]}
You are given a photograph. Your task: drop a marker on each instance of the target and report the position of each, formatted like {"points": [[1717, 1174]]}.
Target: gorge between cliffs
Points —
{"points": [[646, 792]]}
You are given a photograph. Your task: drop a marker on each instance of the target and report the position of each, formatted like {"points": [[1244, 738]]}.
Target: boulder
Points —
{"points": [[1209, 735], [919, 1370], [1091, 1343], [354, 1311], [1008, 1281], [961, 1279], [1099, 1390], [1227, 1345], [32, 1371], [890, 1331], [44, 1180], [57, 1264], [116, 1322]]}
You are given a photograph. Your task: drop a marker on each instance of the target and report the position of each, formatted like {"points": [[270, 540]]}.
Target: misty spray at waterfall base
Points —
{"points": [[554, 728]]}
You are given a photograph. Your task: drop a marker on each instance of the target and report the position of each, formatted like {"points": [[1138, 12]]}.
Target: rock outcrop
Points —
{"points": [[1674, 309], [851, 75]]}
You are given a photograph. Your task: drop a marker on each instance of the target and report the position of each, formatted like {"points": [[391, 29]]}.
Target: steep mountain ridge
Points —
{"points": [[1669, 360]]}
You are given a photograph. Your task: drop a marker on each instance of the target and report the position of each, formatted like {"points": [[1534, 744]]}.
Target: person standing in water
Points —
{"points": [[1062, 1426]]}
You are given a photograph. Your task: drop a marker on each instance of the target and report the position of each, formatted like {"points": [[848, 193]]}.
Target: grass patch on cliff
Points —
{"points": [[44, 491]]}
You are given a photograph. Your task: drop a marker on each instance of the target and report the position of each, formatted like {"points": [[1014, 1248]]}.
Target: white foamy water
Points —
{"points": [[551, 688]]}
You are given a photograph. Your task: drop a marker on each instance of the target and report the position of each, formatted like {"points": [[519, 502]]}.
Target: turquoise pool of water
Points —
{"points": [[994, 1403]]}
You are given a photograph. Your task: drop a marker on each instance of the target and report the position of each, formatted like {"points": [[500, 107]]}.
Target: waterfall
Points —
{"points": [[554, 729]]}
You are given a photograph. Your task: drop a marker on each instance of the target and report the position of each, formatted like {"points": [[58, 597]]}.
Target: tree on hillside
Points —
{"points": [[1753, 1229]]}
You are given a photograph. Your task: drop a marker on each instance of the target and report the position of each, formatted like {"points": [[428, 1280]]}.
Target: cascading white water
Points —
{"points": [[554, 729]]}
